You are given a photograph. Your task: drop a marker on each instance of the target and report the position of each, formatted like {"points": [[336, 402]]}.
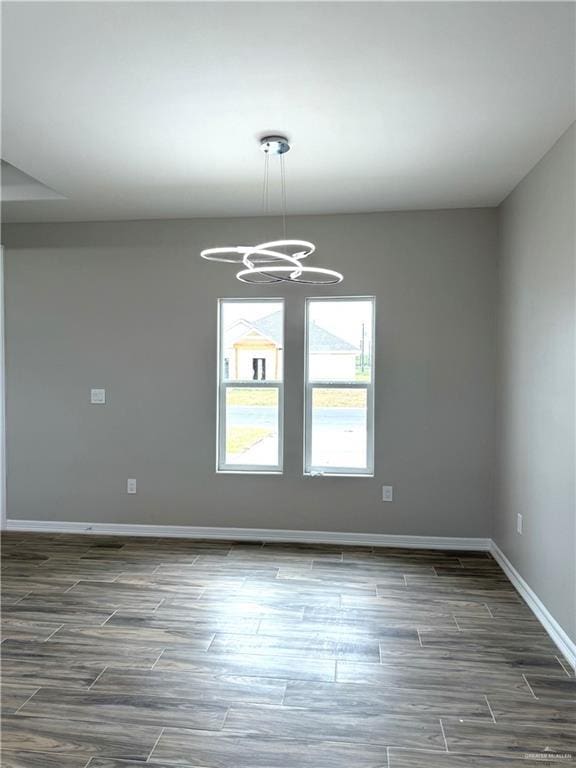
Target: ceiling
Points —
{"points": [[152, 110]]}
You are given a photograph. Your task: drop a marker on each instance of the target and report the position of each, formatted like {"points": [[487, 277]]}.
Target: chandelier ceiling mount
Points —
{"points": [[274, 145]]}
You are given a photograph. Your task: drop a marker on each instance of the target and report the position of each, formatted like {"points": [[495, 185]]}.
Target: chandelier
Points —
{"points": [[276, 261]]}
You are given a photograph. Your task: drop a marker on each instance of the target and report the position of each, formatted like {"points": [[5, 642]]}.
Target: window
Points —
{"points": [[250, 385], [339, 400]]}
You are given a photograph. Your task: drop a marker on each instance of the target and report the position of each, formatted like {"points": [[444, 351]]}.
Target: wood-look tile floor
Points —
{"points": [[124, 652]]}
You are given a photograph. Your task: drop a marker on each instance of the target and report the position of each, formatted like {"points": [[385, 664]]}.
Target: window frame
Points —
{"points": [[222, 385], [309, 386]]}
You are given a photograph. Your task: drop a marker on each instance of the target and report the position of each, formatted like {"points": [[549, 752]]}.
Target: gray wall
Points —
{"points": [[537, 384], [131, 307]]}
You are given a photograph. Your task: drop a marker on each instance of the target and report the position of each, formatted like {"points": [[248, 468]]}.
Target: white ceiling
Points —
{"points": [[150, 110]]}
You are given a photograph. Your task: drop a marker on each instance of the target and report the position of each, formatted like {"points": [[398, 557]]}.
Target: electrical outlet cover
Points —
{"points": [[98, 396]]}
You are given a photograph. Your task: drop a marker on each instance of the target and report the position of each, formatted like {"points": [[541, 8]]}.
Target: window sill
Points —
{"points": [[320, 475], [276, 472]]}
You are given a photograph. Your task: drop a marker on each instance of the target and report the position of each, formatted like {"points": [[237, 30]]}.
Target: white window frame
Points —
{"points": [[309, 385], [223, 385]]}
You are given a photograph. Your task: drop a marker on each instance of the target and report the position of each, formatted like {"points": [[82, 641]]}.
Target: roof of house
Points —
{"points": [[321, 340], [270, 325]]}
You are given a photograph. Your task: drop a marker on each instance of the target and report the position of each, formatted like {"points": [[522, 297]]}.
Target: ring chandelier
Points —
{"points": [[279, 260]]}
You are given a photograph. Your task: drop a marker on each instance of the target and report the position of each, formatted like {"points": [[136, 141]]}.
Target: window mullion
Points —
{"points": [[252, 384]]}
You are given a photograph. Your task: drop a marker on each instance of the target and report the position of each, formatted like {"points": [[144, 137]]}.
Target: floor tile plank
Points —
{"points": [[301, 646], [140, 708], [84, 655], [217, 750], [542, 741], [428, 705], [67, 737], [406, 758], [510, 709], [250, 665], [216, 688], [20, 759], [39, 673], [334, 725]]}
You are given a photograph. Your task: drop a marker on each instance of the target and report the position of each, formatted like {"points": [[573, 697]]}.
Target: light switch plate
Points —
{"points": [[387, 493], [98, 396], [131, 485]]}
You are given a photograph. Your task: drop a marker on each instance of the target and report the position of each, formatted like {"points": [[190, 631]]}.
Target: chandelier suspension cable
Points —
{"points": [[283, 193], [267, 208], [266, 185]]}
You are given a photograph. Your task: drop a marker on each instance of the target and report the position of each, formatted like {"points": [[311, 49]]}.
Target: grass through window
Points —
{"points": [[240, 439]]}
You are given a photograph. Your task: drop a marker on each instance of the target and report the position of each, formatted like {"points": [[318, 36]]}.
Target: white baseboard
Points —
{"points": [[254, 534], [564, 644]]}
